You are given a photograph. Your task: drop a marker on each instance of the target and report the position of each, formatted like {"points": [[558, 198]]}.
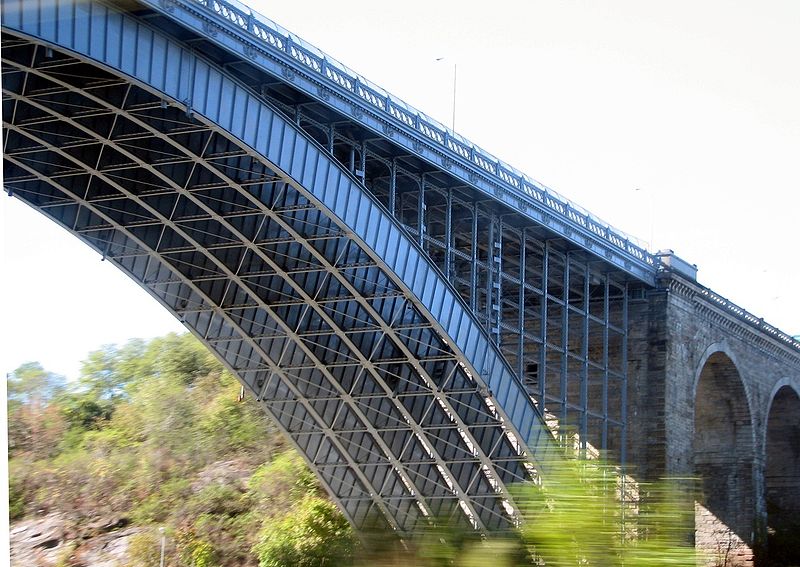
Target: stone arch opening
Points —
{"points": [[782, 477], [723, 463]]}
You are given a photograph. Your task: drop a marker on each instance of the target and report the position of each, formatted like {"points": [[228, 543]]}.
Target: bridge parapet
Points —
{"points": [[264, 43], [733, 317], [704, 377]]}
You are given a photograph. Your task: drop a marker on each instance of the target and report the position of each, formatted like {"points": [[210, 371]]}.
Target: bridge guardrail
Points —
{"points": [[276, 37], [744, 315]]}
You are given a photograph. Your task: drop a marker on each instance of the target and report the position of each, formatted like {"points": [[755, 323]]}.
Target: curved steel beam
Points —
{"points": [[253, 294], [474, 379], [441, 465], [275, 368]]}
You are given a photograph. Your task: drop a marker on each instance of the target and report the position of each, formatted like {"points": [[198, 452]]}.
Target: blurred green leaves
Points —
{"points": [[155, 432], [314, 533], [583, 513]]}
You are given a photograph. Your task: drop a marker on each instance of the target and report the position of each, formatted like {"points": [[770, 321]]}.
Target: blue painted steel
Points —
{"points": [[261, 42], [120, 46]]}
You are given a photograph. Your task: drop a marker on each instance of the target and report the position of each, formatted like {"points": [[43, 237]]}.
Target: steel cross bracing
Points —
{"points": [[435, 206], [499, 262], [402, 415], [257, 42], [306, 300], [389, 417]]}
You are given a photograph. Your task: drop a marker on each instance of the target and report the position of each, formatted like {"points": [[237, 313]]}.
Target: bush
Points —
{"points": [[216, 499], [284, 481], [16, 497], [158, 506], [203, 555], [144, 549], [314, 534]]}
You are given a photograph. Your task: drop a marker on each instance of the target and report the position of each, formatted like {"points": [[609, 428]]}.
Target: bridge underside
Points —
{"points": [[389, 414], [413, 335]]}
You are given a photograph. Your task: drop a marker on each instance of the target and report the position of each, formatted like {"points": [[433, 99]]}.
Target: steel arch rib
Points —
{"points": [[178, 75], [301, 292], [273, 367], [441, 464]]}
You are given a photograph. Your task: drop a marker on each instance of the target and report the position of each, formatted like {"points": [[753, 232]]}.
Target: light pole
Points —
{"points": [[455, 86], [163, 545]]}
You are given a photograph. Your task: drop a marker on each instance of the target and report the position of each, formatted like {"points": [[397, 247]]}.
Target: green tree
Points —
{"points": [[313, 534], [84, 412], [183, 358], [30, 382], [35, 424], [98, 374]]}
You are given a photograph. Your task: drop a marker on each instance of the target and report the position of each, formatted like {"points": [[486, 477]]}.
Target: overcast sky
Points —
{"points": [[677, 122]]}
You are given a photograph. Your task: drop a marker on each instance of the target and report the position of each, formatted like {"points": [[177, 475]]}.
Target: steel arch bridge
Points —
{"points": [[418, 317]]}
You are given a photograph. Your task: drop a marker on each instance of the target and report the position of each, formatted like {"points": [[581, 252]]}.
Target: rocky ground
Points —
{"points": [[58, 539], [55, 540]]}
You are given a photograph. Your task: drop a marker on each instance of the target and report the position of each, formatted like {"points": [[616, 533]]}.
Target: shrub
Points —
{"points": [[144, 549], [314, 534]]}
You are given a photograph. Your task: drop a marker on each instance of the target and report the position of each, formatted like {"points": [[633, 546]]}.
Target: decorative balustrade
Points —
{"points": [[744, 315], [274, 37]]}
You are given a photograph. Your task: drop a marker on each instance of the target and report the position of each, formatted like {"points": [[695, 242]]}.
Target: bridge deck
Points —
{"points": [[413, 313]]}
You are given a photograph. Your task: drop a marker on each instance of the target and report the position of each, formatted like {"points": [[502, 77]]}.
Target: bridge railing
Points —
{"points": [[275, 37], [744, 315]]}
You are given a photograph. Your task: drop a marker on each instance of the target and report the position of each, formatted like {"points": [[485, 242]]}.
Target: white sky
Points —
{"points": [[695, 103]]}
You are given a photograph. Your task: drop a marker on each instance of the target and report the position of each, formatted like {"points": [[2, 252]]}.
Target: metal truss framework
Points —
{"points": [[558, 313], [403, 409], [266, 56], [558, 316], [386, 412], [255, 44]]}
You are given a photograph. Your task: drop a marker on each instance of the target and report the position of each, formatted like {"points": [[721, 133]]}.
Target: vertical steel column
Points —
{"points": [[521, 313], [623, 456], [421, 212], [448, 237], [565, 342], [543, 315], [352, 162], [361, 173], [393, 187], [585, 361], [473, 276], [331, 136], [623, 434], [606, 291], [493, 292]]}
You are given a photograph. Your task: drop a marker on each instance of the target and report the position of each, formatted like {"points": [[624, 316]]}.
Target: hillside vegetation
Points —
{"points": [[155, 434]]}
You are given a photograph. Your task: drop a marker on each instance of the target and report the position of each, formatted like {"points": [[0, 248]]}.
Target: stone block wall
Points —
{"points": [[701, 382]]}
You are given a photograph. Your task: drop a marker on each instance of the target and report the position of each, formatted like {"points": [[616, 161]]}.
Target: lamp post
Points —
{"points": [[163, 545], [455, 85]]}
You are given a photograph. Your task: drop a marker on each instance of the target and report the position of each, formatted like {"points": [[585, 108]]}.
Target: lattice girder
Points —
{"points": [[272, 254]]}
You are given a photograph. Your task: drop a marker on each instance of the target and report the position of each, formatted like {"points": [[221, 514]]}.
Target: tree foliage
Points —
{"points": [[31, 383], [155, 433], [313, 534], [582, 514]]}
